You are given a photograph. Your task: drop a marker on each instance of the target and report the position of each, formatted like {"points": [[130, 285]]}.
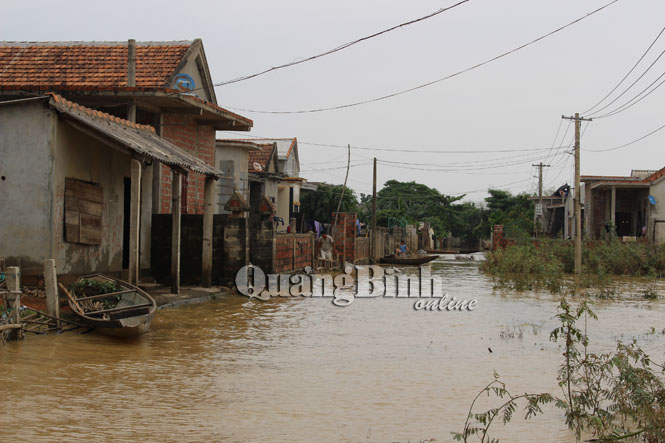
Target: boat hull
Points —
{"points": [[408, 261], [129, 326]]}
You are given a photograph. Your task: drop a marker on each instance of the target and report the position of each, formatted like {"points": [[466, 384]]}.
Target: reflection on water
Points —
{"points": [[302, 369]]}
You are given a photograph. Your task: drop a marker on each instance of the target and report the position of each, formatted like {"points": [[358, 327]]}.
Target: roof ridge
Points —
{"points": [[59, 100], [26, 43]]}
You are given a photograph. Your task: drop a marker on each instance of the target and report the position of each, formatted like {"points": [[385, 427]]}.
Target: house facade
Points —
{"points": [[166, 85], [72, 188], [628, 206]]}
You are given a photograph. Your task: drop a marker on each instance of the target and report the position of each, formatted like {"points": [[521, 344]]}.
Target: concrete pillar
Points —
{"points": [[176, 184], [51, 286], [13, 278], [208, 209], [134, 221], [613, 206]]}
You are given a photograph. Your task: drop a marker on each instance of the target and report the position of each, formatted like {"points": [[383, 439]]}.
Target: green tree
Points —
{"points": [[321, 204], [515, 212]]}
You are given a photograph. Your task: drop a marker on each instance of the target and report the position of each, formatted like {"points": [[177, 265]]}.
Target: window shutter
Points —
{"points": [[83, 212]]}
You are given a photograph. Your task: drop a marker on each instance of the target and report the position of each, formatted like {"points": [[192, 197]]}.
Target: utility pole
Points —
{"points": [[578, 208], [540, 216], [373, 239]]}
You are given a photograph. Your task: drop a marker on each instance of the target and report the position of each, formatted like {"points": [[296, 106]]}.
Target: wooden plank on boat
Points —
{"points": [[135, 312], [124, 308], [110, 294], [70, 297]]}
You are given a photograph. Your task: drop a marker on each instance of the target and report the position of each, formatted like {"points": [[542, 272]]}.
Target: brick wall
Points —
{"points": [[199, 140], [345, 236], [288, 244], [262, 243], [284, 252], [303, 257]]}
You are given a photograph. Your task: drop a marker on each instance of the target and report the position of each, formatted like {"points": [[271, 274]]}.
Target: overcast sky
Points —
{"points": [[513, 103]]}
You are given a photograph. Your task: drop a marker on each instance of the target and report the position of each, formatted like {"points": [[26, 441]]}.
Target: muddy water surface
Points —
{"points": [[303, 369]]}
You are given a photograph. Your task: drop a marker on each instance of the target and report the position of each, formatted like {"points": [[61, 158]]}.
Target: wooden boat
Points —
{"points": [[130, 316], [443, 251], [412, 260]]}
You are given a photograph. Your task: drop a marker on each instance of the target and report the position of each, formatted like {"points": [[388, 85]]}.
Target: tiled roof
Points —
{"points": [[141, 139], [98, 114], [81, 64], [261, 157], [634, 179]]}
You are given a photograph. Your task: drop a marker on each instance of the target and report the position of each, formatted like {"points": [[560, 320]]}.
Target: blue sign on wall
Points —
{"points": [[184, 82]]}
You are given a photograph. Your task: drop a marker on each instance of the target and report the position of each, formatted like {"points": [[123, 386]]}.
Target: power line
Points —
{"points": [[339, 48], [424, 85], [628, 74], [628, 104], [414, 150], [626, 144]]}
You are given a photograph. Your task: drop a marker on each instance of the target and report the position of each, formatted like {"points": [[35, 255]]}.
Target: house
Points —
{"points": [[288, 189], [232, 158], [71, 185], [164, 85], [631, 205], [557, 216]]}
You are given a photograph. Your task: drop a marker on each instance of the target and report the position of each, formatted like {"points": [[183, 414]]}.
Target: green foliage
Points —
{"points": [[615, 396], [515, 212], [478, 424], [87, 288], [414, 202], [547, 262], [321, 204], [528, 267]]}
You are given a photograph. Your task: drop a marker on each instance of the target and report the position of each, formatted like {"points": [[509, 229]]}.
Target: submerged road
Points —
{"points": [[303, 369]]}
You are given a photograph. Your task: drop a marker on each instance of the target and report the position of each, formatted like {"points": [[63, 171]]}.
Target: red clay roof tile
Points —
{"points": [[83, 64]]}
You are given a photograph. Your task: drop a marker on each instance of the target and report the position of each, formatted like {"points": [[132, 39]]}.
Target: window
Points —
{"points": [[83, 212]]}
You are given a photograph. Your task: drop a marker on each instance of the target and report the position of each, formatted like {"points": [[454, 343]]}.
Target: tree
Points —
{"points": [[513, 211], [321, 204]]}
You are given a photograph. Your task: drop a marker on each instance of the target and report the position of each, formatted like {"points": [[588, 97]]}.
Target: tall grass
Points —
{"points": [[546, 263]]}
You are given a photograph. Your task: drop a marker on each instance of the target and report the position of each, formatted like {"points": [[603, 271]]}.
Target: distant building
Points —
{"points": [[632, 206]]}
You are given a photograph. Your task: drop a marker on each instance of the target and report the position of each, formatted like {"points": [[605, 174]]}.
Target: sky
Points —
{"points": [[507, 108]]}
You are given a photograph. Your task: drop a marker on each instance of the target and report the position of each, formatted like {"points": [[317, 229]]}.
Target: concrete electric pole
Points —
{"points": [[540, 214], [578, 194]]}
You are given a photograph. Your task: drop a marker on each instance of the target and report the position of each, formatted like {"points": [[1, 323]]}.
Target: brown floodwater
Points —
{"points": [[303, 369]]}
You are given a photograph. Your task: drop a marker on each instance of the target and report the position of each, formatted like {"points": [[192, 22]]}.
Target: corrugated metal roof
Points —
{"points": [[139, 138]]}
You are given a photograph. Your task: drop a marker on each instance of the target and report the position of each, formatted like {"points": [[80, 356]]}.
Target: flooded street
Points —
{"points": [[302, 369]]}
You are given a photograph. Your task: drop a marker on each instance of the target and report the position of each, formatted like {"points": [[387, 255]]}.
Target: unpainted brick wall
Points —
{"points": [[346, 222], [262, 243], [199, 140], [285, 260]]}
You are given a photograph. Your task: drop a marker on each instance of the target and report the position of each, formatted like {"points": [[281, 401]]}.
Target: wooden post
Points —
{"points": [[51, 285], [13, 278], [208, 210], [134, 221], [344, 240], [176, 183], [293, 261]]}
